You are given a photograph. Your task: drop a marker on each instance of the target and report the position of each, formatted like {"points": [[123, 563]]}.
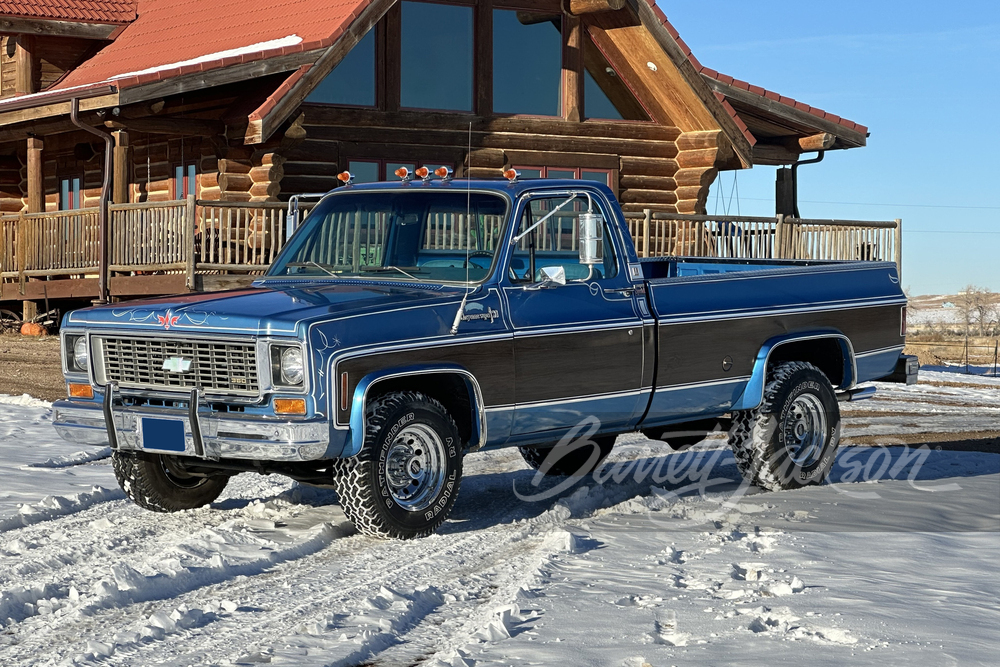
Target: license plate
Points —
{"points": [[163, 435]]}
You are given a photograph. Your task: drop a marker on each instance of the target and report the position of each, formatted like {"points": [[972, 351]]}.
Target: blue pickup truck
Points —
{"points": [[406, 324]]}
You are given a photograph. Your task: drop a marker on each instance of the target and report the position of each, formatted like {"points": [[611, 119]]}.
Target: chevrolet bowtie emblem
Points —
{"points": [[177, 364]]}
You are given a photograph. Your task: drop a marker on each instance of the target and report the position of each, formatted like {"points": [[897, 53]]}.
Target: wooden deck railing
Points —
{"points": [[211, 237], [154, 236], [54, 244], [669, 234]]}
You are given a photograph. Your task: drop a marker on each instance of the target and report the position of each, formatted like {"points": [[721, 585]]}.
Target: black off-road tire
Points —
{"points": [[764, 441], [152, 482], [577, 461], [363, 481]]}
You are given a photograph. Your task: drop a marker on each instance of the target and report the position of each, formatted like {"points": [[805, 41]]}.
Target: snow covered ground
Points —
{"points": [[661, 558]]}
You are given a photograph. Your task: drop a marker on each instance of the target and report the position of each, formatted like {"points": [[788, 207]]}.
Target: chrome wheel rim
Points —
{"points": [[415, 467], [805, 430]]}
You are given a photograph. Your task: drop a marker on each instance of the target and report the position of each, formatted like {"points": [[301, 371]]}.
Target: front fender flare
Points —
{"points": [[359, 403], [753, 393]]}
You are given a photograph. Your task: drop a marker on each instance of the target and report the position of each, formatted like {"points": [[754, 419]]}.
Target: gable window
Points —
{"points": [[436, 56], [70, 196], [352, 81], [605, 95], [184, 181], [527, 63]]}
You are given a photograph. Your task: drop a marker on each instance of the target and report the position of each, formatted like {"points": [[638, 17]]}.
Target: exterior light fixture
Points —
{"points": [[346, 177], [511, 175]]}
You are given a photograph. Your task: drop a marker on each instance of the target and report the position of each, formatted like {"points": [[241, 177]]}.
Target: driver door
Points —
{"points": [[577, 347]]}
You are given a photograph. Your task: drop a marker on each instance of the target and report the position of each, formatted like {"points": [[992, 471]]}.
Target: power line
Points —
{"points": [[854, 203]]}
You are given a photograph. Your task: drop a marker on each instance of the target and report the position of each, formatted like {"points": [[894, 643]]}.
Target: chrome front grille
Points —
{"points": [[229, 368]]}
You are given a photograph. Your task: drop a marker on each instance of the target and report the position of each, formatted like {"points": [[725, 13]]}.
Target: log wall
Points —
{"points": [[646, 159]]}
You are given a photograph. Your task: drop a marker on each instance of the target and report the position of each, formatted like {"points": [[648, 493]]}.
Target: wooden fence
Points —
{"points": [[197, 236]]}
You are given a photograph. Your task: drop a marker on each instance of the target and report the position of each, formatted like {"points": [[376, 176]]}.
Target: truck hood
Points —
{"points": [[271, 308]]}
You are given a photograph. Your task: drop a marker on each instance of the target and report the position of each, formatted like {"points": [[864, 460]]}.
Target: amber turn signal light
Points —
{"points": [[511, 175], [443, 172], [81, 391], [346, 177], [402, 172], [422, 172], [290, 406]]}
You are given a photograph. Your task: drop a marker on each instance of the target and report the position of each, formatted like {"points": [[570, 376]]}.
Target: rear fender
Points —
{"points": [[359, 404], [753, 394]]}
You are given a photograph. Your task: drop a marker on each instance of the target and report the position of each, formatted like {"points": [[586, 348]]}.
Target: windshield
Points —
{"points": [[391, 235]]}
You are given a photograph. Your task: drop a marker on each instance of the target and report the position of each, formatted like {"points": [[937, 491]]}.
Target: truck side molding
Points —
{"points": [[753, 394], [359, 402]]}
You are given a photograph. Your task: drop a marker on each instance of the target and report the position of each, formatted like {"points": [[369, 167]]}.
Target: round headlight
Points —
{"points": [[292, 369], [81, 357]]}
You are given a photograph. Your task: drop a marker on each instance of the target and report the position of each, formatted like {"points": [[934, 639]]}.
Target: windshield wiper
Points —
{"points": [[376, 269], [312, 263]]}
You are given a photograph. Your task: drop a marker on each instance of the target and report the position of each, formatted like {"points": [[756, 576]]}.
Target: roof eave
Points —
{"points": [[28, 25]]}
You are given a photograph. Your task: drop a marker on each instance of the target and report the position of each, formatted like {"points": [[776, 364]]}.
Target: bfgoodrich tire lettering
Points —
{"points": [[791, 440], [152, 482], [404, 482]]}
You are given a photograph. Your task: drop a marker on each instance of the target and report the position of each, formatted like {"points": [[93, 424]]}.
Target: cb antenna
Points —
{"points": [[468, 240]]}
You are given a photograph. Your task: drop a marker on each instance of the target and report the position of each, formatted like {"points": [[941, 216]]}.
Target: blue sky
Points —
{"points": [[923, 76]]}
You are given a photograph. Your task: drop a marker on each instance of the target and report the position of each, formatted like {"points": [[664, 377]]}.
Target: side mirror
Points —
{"points": [[591, 239], [553, 275]]}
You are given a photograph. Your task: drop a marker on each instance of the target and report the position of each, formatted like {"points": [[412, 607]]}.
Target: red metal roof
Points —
{"points": [[175, 37], [93, 11], [781, 99]]}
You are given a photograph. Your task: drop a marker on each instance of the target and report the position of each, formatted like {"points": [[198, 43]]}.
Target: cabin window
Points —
{"points": [[352, 82], [436, 49], [370, 171], [365, 171], [527, 62], [599, 175], [184, 181], [70, 196]]}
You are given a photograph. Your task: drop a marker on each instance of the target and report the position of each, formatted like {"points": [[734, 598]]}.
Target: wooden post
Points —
{"points": [[572, 73], [779, 237], [119, 190], [190, 218], [24, 65], [647, 218], [484, 58], [899, 249], [390, 31], [190, 213], [36, 191]]}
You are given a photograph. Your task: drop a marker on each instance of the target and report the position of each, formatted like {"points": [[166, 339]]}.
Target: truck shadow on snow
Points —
{"points": [[894, 488]]}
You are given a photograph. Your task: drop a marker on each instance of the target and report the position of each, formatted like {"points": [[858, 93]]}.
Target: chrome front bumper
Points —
{"points": [[213, 436]]}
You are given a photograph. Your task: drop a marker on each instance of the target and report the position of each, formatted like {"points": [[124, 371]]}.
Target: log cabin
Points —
{"points": [[130, 129]]}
